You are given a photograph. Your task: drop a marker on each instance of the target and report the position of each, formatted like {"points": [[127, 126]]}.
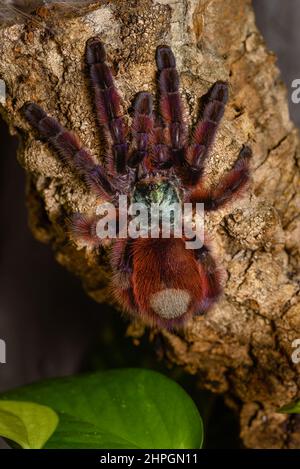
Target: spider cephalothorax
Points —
{"points": [[155, 278]]}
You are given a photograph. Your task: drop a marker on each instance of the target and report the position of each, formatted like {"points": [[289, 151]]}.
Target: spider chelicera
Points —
{"points": [[157, 279]]}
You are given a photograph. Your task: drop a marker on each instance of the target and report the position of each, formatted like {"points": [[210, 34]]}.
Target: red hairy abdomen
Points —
{"points": [[166, 280]]}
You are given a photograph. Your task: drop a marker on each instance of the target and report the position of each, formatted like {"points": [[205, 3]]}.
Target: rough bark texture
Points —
{"points": [[243, 346]]}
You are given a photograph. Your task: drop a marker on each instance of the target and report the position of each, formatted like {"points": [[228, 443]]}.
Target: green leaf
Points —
{"points": [[29, 425], [128, 408], [292, 408]]}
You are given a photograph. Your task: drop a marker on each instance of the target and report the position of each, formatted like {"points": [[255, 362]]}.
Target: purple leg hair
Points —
{"points": [[83, 228], [107, 106], [142, 128], [69, 149], [203, 137], [212, 275], [170, 103], [229, 187]]}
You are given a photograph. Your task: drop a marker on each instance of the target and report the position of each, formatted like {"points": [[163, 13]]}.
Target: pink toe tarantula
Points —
{"points": [[157, 279]]}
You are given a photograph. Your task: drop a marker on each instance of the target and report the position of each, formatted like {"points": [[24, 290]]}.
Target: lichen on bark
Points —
{"points": [[243, 346]]}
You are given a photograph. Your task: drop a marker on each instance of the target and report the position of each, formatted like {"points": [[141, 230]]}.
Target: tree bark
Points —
{"points": [[243, 346]]}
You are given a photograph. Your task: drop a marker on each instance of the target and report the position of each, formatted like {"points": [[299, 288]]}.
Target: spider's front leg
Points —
{"points": [[107, 106], [171, 110], [230, 186], [142, 127], [203, 136], [68, 147]]}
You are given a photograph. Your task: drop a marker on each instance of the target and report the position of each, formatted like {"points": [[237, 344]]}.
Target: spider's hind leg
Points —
{"points": [[210, 278], [122, 265], [84, 229]]}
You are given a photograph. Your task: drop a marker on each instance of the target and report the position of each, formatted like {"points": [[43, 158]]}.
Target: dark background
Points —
{"points": [[50, 326]]}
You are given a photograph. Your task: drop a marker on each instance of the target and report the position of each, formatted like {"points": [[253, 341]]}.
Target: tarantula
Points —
{"points": [[157, 279]]}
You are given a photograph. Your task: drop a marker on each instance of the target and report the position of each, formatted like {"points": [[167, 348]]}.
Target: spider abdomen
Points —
{"points": [[166, 280]]}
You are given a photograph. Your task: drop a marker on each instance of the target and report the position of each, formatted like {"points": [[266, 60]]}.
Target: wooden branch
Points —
{"points": [[243, 346]]}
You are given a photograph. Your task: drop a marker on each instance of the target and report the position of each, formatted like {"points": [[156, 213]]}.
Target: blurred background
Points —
{"points": [[50, 326]]}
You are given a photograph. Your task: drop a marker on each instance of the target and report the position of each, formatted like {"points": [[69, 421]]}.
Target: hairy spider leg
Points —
{"points": [[170, 104], [83, 228], [142, 128], [230, 186], [160, 155], [69, 149], [122, 265], [210, 279], [213, 106], [108, 107]]}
